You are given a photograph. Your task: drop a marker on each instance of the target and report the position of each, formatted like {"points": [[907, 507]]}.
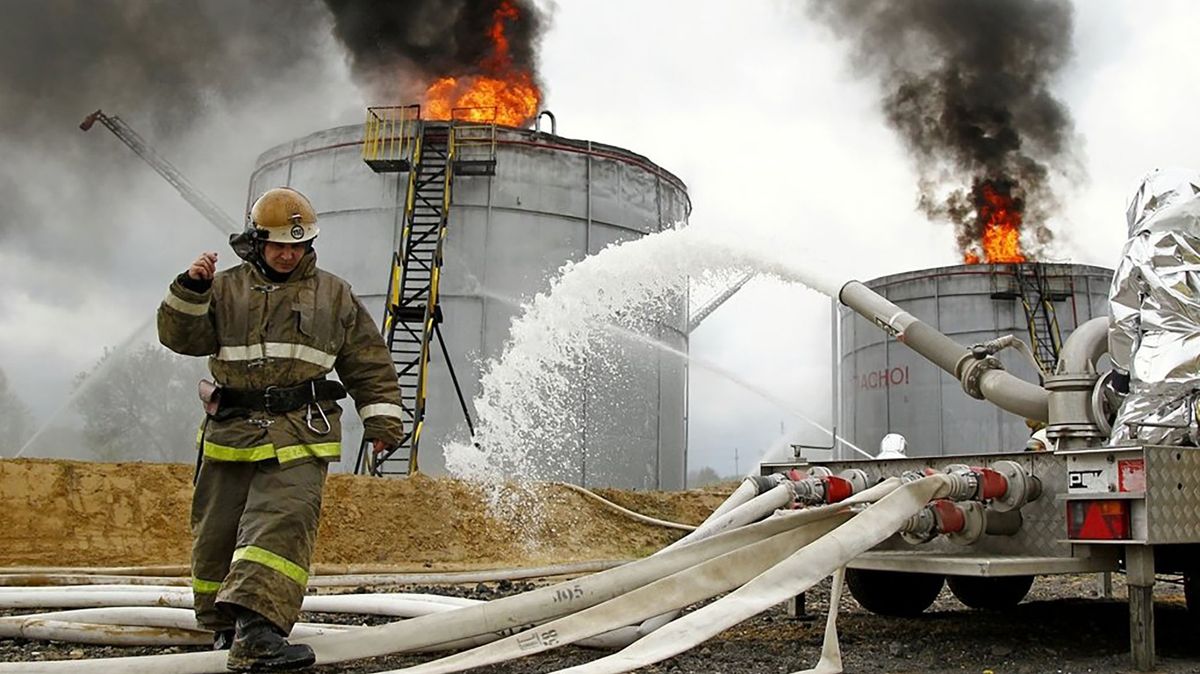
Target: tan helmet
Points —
{"points": [[283, 215]]}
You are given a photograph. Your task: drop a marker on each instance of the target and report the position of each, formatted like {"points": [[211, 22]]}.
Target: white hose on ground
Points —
{"points": [[680, 589], [160, 570], [37, 580], [745, 491], [831, 651], [344, 580], [403, 605], [383, 604], [493, 618], [55, 598], [787, 579], [40, 629], [702, 581], [457, 577], [149, 616], [144, 626], [753, 510], [636, 516]]}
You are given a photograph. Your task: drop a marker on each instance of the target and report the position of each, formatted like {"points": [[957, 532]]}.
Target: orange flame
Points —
{"points": [[504, 94], [1000, 218]]}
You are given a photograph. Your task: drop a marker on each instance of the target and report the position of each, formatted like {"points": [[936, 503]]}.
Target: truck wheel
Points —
{"points": [[893, 593], [990, 594], [1191, 592]]}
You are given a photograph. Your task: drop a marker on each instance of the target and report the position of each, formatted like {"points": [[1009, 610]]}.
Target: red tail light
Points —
{"points": [[1098, 520]]}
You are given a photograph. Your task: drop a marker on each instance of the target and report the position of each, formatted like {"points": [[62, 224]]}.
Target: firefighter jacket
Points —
{"points": [[259, 334]]}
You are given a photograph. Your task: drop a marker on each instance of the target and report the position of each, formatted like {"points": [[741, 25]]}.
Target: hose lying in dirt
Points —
{"points": [[345, 580], [787, 579], [635, 516], [490, 619], [746, 508], [398, 605], [703, 581], [745, 491], [145, 626]]}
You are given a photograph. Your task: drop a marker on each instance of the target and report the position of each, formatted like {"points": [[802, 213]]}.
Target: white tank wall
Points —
{"points": [[882, 386], [552, 200]]}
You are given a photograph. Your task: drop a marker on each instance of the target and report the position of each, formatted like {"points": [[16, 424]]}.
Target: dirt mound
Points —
{"points": [[72, 513]]}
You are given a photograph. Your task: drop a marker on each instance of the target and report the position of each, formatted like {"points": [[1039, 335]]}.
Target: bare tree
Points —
{"points": [[141, 405], [16, 421]]}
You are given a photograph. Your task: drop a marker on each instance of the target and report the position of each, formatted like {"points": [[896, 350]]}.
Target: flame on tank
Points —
{"points": [[500, 92], [998, 223]]}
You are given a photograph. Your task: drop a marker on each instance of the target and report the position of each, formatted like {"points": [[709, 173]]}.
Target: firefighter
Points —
{"points": [[1154, 320], [273, 328]]}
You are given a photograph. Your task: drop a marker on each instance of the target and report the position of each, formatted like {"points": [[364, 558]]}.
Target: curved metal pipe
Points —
{"points": [[994, 384], [1015, 395], [1084, 347], [537, 122]]}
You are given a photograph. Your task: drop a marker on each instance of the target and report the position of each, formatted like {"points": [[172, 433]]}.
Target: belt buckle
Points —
{"points": [[267, 396]]}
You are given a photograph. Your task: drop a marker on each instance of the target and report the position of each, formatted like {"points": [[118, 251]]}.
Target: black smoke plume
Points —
{"points": [[966, 83], [399, 48], [162, 66]]}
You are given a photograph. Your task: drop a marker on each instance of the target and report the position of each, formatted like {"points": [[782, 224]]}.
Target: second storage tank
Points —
{"points": [[882, 386]]}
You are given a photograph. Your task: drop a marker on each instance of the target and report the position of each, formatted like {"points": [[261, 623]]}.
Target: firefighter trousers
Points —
{"points": [[254, 526]]}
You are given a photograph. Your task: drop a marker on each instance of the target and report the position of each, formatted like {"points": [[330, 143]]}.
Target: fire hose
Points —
{"points": [[822, 537]]}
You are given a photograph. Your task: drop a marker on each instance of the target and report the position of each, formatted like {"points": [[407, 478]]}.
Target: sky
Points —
{"points": [[752, 104]]}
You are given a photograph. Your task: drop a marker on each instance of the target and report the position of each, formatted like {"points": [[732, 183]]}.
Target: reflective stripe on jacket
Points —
{"points": [[259, 334]]}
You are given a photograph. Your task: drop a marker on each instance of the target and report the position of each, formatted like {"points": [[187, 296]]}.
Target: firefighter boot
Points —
{"points": [[258, 645]]}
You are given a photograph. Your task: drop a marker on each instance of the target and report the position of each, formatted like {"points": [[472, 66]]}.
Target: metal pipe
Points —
{"points": [[1084, 347], [984, 379], [537, 122]]}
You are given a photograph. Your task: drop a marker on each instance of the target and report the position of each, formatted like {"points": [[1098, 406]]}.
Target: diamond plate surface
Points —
{"points": [[1043, 521], [1173, 494]]}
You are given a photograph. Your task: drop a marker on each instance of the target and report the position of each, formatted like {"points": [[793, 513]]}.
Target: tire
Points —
{"points": [[990, 594], [893, 593], [1191, 592]]}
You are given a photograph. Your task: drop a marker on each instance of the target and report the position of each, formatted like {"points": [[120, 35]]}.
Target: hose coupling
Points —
{"points": [[920, 528], [765, 483], [963, 523], [822, 490]]}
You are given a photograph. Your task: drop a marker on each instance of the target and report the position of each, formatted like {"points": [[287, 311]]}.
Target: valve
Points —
{"points": [[963, 523]]}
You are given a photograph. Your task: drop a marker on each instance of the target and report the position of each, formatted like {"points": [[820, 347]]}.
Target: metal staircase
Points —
{"points": [[396, 140], [1029, 284], [1045, 339]]}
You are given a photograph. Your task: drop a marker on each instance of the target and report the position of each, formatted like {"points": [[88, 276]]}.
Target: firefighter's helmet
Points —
{"points": [[893, 446], [283, 215]]}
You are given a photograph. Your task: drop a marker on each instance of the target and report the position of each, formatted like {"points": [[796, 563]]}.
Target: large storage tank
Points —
{"points": [[882, 386], [551, 200]]}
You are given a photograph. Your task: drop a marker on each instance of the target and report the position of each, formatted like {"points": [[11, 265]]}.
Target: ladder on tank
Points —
{"points": [[396, 140], [1045, 339]]}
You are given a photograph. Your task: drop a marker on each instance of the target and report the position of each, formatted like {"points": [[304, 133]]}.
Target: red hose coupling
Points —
{"points": [[837, 488], [991, 483], [950, 519]]}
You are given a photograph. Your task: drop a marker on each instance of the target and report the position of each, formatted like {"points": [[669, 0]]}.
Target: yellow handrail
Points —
{"points": [[390, 133]]}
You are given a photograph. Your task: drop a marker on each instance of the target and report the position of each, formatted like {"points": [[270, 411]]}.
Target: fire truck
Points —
{"points": [[1080, 507]]}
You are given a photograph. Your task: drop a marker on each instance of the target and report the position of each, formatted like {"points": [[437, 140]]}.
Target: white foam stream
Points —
{"points": [[528, 410]]}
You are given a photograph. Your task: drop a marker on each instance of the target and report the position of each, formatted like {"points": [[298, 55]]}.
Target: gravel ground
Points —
{"points": [[1062, 626]]}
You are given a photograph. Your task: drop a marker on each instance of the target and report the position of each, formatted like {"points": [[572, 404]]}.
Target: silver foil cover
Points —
{"points": [[1154, 321]]}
